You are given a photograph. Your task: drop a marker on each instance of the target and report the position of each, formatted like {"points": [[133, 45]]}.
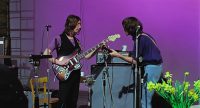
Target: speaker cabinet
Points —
{"points": [[117, 86]]}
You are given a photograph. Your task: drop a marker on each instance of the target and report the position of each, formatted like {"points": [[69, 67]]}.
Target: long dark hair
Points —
{"points": [[70, 24], [132, 26]]}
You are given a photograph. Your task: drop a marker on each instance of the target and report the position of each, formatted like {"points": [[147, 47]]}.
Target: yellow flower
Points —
{"points": [[191, 92], [168, 88], [157, 86], [150, 86], [195, 97], [169, 81], [172, 90], [168, 75], [186, 73], [186, 85]]}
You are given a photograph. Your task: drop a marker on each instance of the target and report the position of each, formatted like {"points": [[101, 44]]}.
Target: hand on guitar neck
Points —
{"points": [[102, 45], [105, 48]]}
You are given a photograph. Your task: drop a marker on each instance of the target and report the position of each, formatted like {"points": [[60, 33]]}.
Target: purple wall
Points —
{"points": [[174, 24]]}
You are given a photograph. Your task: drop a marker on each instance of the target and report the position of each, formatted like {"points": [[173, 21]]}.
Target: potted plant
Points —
{"points": [[178, 94]]}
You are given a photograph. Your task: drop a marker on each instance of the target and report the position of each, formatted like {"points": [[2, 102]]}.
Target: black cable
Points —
{"points": [[109, 85], [104, 89]]}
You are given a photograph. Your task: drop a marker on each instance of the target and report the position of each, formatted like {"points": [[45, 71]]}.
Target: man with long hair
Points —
{"points": [[147, 49], [65, 44]]}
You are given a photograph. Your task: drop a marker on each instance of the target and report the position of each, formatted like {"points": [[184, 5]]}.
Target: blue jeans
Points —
{"points": [[153, 73]]}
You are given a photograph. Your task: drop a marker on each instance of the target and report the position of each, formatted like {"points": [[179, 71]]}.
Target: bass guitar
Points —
{"points": [[63, 72]]}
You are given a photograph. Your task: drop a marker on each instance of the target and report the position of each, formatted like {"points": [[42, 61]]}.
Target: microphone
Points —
{"points": [[137, 28], [48, 25], [136, 32]]}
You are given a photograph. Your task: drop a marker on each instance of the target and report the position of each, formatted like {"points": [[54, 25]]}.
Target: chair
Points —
{"points": [[42, 91]]}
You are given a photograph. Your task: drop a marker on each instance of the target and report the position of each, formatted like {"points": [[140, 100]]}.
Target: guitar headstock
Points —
{"points": [[113, 37]]}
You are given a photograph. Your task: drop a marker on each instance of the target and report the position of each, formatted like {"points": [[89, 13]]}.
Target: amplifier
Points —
{"points": [[1, 45], [100, 57], [115, 88]]}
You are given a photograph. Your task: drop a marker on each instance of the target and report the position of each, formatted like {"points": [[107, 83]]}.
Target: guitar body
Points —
{"points": [[63, 72]]}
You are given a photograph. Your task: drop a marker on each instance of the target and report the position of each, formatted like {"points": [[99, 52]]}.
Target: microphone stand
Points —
{"points": [[106, 75], [36, 71], [104, 89], [104, 78], [48, 74], [137, 75]]}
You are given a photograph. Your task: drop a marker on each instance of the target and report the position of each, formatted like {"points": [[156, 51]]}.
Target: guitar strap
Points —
{"points": [[56, 45], [79, 44], [144, 34]]}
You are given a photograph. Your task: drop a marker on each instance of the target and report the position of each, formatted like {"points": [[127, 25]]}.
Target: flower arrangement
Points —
{"points": [[178, 94]]}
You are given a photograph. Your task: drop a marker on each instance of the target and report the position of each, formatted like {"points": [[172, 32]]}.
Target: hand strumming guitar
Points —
{"points": [[62, 61]]}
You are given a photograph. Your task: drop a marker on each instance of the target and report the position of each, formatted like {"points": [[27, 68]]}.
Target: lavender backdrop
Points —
{"points": [[175, 24]]}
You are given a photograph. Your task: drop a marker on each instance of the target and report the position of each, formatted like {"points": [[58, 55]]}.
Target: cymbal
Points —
{"points": [[13, 56]]}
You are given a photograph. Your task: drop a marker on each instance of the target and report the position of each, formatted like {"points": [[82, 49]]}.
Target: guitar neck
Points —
{"points": [[82, 55]]}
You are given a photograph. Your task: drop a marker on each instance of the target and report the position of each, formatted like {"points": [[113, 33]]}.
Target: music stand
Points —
{"points": [[35, 60]]}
